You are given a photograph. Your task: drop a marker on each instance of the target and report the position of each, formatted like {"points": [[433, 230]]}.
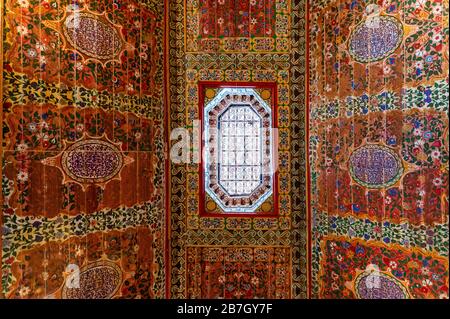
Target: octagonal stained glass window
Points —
{"points": [[238, 150]]}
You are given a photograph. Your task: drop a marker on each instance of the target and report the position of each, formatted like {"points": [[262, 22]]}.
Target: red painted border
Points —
{"points": [[308, 169], [166, 109], [202, 85]]}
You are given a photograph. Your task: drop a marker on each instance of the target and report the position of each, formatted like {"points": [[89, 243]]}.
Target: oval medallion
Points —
{"points": [[92, 161], [379, 286], [375, 166], [92, 36], [99, 280], [375, 38]]}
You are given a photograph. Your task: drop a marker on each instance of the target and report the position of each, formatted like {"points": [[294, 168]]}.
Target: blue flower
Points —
{"points": [[359, 250], [429, 59], [356, 208], [392, 192], [427, 135], [386, 224], [44, 116], [386, 240]]}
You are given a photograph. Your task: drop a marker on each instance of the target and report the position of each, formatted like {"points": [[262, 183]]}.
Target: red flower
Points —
{"points": [[424, 290], [443, 288], [438, 47], [10, 260]]}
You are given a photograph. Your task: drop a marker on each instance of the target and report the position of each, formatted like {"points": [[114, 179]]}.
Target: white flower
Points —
{"points": [[393, 265], [24, 291], [22, 176], [32, 127], [23, 3], [421, 192], [220, 21], [253, 2], [44, 125], [388, 200], [130, 87], [437, 181], [339, 258], [32, 53], [79, 66], [419, 142], [437, 10], [425, 271], [21, 29], [420, 53], [427, 282], [42, 59], [137, 73], [435, 154], [417, 132], [387, 69], [253, 21], [22, 147], [40, 46], [437, 37], [420, 203], [79, 127], [418, 64]]}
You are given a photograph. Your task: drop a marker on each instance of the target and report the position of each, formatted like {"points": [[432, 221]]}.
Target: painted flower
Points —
{"points": [[253, 21], [419, 142], [388, 200], [339, 258], [437, 10], [23, 3], [44, 125], [253, 2], [419, 64], [255, 281], [79, 127], [437, 38], [387, 69], [221, 279], [45, 275], [220, 21], [32, 53], [22, 176], [40, 46], [24, 291], [420, 53], [138, 135], [417, 132], [130, 87], [32, 127], [435, 154], [427, 283], [437, 182], [393, 265], [22, 147], [42, 59], [79, 66]]}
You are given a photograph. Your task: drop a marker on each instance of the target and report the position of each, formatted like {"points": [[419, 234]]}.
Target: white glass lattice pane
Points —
{"points": [[240, 150]]}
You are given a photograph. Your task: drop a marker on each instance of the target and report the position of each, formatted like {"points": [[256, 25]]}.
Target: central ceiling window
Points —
{"points": [[238, 150]]}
